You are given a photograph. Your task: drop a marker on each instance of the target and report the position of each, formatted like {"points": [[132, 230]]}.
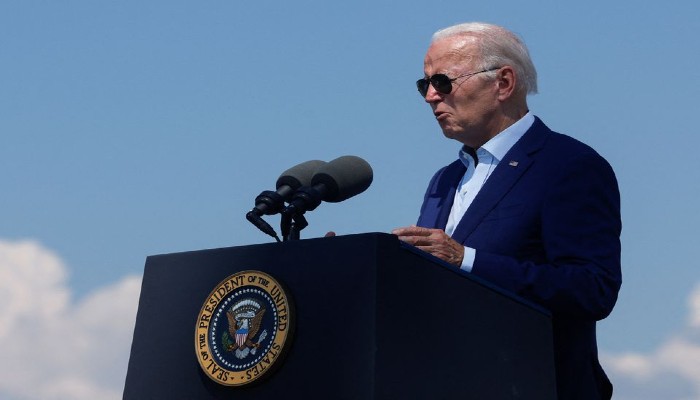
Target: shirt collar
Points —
{"points": [[499, 145]]}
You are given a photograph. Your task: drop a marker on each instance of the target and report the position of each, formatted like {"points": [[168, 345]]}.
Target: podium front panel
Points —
{"points": [[375, 319]]}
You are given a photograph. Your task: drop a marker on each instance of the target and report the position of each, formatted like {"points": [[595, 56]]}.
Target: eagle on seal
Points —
{"points": [[244, 321]]}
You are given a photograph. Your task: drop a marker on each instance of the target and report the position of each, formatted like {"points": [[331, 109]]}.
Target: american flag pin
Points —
{"points": [[513, 163]]}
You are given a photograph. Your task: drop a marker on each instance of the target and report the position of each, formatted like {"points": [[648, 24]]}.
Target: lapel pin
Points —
{"points": [[513, 163]]}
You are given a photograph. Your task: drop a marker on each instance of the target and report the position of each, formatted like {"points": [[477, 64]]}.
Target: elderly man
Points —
{"points": [[528, 209]]}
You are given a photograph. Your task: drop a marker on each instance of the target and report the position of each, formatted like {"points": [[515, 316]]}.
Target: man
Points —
{"points": [[530, 210]]}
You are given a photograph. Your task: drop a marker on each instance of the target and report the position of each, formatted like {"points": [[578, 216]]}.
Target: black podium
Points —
{"points": [[375, 319]]}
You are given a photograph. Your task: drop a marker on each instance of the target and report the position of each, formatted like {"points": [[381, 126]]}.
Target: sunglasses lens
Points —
{"points": [[422, 85], [440, 82]]}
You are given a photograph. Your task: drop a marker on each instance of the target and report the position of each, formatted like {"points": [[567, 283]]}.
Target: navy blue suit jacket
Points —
{"points": [[546, 226]]}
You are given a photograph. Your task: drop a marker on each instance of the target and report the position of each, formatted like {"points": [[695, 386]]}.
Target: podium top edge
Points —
{"points": [[273, 243]]}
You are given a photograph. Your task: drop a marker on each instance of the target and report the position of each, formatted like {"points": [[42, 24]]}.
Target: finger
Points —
{"points": [[418, 241], [411, 231], [452, 256]]}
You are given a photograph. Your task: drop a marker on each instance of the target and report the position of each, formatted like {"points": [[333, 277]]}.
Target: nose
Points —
{"points": [[433, 95]]}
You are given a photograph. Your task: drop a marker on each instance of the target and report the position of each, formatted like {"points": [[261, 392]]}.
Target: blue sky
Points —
{"points": [[136, 128]]}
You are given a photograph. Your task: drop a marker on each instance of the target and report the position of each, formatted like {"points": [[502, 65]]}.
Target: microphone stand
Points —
{"points": [[291, 226]]}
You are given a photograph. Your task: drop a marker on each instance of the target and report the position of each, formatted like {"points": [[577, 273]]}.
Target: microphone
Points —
{"points": [[269, 202], [333, 182]]}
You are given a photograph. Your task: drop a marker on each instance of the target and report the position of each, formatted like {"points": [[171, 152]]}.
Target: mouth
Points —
{"points": [[439, 115]]}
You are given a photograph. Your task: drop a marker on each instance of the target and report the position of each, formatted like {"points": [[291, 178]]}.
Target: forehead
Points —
{"points": [[450, 53]]}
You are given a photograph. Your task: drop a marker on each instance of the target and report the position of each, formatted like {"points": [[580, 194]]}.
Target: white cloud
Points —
{"points": [[53, 348], [671, 372]]}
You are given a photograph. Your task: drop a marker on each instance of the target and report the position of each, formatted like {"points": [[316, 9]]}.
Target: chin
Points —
{"points": [[447, 131], [450, 134]]}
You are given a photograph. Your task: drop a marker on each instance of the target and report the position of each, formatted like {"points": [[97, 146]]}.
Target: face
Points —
{"points": [[467, 114]]}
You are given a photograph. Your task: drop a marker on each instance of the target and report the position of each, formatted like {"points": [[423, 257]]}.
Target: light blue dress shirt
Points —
{"points": [[488, 155]]}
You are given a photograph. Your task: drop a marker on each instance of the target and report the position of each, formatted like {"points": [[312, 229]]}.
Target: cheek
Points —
{"points": [[464, 110], [471, 107]]}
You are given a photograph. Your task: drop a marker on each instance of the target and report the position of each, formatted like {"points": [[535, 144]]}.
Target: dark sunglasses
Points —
{"points": [[442, 83]]}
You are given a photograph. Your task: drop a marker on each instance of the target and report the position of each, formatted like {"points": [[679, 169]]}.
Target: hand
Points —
{"points": [[433, 241]]}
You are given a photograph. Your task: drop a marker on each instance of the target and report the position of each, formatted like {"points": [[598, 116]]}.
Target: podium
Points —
{"points": [[375, 319]]}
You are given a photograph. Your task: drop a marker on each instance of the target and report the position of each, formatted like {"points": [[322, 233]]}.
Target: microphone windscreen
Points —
{"points": [[343, 178], [299, 175]]}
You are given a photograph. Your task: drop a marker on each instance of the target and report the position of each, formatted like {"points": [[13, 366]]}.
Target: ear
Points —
{"points": [[506, 81]]}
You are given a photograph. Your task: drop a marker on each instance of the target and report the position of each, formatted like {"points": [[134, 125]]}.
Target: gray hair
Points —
{"points": [[498, 47]]}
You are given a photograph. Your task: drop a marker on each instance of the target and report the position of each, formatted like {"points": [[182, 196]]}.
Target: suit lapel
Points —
{"points": [[507, 173], [438, 202], [452, 176]]}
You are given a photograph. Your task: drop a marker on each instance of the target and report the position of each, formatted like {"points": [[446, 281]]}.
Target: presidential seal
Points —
{"points": [[243, 328]]}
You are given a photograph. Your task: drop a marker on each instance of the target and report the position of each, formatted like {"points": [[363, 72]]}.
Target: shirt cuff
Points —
{"points": [[468, 260]]}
